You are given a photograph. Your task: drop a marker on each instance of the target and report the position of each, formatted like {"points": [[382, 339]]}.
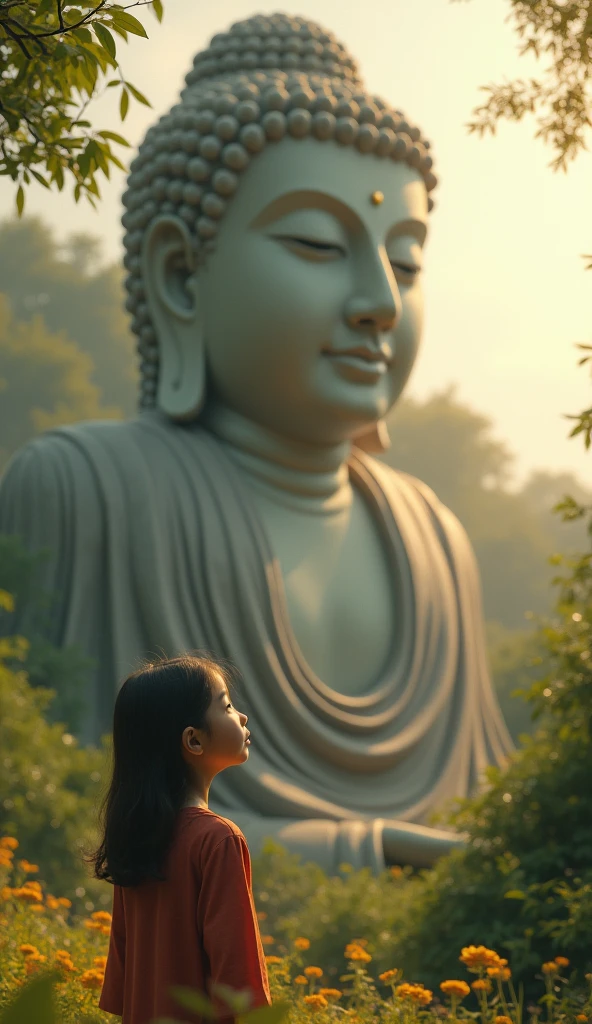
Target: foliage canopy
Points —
{"points": [[56, 57]]}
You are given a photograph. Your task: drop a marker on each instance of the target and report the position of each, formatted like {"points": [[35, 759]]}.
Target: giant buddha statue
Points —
{"points": [[275, 221]]}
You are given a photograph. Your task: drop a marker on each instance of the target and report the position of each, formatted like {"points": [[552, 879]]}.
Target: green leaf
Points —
{"points": [[6, 601], [238, 1001], [121, 19], [106, 39], [192, 1000], [83, 34], [34, 1002], [117, 162], [158, 10], [114, 137], [40, 178], [138, 95], [100, 156], [20, 200], [124, 104], [266, 1014]]}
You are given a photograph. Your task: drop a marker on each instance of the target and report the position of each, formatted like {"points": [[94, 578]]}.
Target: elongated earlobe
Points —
{"points": [[172, 295]]}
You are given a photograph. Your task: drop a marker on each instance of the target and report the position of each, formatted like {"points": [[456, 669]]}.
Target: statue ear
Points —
{"points": [[374, 439], [169, 271]]}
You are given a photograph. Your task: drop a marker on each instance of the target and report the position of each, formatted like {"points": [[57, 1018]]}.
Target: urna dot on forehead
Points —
{"points": [[266, 78]]}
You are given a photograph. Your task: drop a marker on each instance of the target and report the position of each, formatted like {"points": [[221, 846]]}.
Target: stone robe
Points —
{"points": [[156, 547]]}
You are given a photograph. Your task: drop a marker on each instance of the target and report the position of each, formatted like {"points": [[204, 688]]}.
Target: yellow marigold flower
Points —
{"points": [[95, 926], [27, 867], [481, 985], [313, 972], [27, 949], [479, 956], [38, 908], [8, 842], [562, 961], [52, 903], [100, 961], [273, 960], [261, 915], [6, 857], [26, 893], [92, 978], [32, 963], [387, 976], [302, 943], [550, 967], [6, 892], [316, 1000], [503, 1020], [581, 1017], [32, 883], [63, 902], [417, 993], [267, 939], [62, 954], [396, 871], [331, 993], [300, 980], [458, 989], [504, 973], [105, 929], [355, 951], [65, 963], [102, 915]]}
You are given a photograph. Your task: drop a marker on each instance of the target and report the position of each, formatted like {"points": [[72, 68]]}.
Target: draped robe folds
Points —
{"points": [[155, 546]]}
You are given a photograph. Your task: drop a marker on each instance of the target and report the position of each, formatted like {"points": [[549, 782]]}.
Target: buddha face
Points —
{"points": [[312, 299]]}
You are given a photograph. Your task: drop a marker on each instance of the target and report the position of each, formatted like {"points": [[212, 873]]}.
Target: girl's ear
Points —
{"points": [[191, 741], [169, 272]]}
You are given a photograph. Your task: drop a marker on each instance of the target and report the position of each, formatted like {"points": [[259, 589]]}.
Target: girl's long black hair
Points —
{"points": [[151, 780]]}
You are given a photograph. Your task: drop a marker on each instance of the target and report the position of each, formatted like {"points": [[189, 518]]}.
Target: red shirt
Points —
{"points": [[197, 927]]}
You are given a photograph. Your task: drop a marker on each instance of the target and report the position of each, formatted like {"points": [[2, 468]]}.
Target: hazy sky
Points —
{"points": [[506, 294]]}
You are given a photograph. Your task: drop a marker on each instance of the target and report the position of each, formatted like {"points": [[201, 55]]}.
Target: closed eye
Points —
{"points": [[312, 248], [408, 269]]}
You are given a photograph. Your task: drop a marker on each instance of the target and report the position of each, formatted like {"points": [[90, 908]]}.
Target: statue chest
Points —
{"points": [[339, 597]]}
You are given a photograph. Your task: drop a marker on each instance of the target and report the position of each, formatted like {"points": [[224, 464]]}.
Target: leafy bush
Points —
{"points": [[525, 879], [49, 786], [63, 670], [38, 937]]}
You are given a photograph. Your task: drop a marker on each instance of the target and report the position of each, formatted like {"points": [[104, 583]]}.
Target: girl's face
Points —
{"points": [[228, 743]]}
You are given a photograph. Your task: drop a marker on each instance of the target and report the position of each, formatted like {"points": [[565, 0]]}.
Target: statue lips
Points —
{"points": [[247, 739], [364, 364]]}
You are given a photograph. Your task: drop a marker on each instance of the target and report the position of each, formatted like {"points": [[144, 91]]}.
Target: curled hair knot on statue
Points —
{"points": [[267, 78]]}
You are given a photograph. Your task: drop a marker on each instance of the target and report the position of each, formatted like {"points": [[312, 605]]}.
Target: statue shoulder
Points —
{"points": [[56, 471], [422, 496]]}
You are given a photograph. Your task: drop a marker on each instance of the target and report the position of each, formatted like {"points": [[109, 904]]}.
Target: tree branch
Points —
{"points": [[16, 38]]}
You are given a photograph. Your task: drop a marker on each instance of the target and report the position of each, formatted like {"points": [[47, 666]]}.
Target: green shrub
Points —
{"points": [[50, 787]]}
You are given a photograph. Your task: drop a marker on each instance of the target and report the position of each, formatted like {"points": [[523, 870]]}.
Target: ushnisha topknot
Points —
{"points": [[268, 77]]}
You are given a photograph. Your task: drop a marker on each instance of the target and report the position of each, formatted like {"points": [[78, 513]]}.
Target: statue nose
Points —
{"points": [[376, 318]]}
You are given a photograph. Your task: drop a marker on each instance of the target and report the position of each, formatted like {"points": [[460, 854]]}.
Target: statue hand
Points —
{"points": [[417, 845]]}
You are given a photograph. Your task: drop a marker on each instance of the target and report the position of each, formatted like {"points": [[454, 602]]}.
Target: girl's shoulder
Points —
{"points": [[203, 826]]}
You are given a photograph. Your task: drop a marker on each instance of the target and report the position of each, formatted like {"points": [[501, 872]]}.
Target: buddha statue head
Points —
{"points": [[275, 220]]}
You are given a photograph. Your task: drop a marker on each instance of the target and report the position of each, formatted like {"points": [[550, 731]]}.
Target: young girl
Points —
{"points": [[183, 911]]}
